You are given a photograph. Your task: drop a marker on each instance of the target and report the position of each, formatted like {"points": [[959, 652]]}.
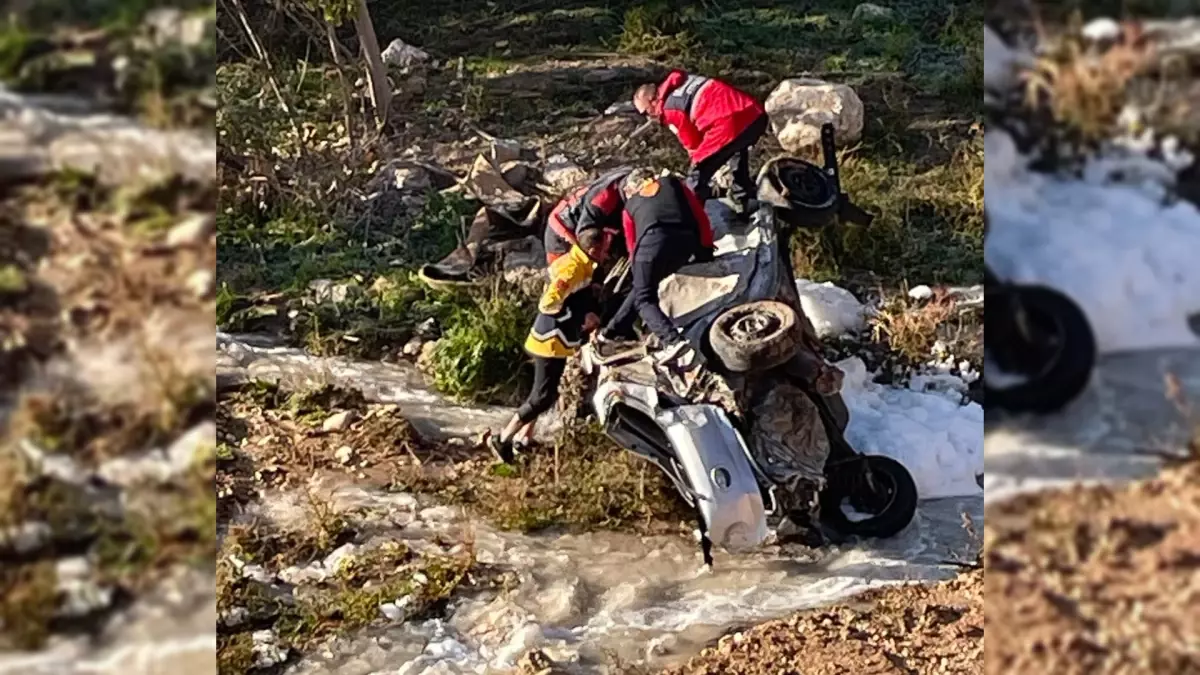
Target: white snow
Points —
{"points": [[935, 437], [833, 310], [1111, 239]]}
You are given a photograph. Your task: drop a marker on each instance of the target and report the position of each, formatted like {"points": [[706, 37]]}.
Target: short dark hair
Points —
{"points": [[591, 238]]}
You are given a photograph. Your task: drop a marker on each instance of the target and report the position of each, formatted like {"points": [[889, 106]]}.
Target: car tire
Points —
{"points": [[755, 336], [891, 509], [1068, 373]]}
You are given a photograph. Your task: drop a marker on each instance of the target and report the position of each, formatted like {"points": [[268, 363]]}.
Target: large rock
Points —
{"points": [[800, 106]]}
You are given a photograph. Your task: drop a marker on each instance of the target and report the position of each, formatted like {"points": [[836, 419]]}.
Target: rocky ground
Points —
{"points": [[1096, 579], [107, 515], [907, 629]]}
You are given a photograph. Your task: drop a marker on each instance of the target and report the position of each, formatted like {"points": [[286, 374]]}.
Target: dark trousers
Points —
{"points": [[547, 374], [736, 152], [661, 252]]}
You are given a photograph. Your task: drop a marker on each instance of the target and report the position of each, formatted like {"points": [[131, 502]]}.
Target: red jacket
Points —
{"points": [[664, 202], [706, 114]]}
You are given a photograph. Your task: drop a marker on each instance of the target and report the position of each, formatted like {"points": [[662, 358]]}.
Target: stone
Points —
{"points": [[403, 55], [412, 348], [324, 290], [798, 108], [869, 12], [425, 359], [396, 610], [235, 617], [563, 174], [428, 329], [344, 454], [267, 649], [411, 179], [169, 25], [339, 421], [195, 230], [202, 284]]}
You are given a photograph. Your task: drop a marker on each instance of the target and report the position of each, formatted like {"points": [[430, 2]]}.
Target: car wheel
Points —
{"points": [[878, 487], [755, 336], [1059, 369]]}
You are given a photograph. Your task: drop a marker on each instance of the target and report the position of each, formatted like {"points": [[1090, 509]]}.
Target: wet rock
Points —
{"points": [[563, 174], [869, 12], [195, 230], [403, 55], [798, 108], [80, 594], [268, 650], [344, 454], [339, 421], [234, 617]]}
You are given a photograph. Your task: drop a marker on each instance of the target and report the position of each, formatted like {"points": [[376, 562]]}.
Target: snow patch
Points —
{"points": [[833, 310], [1111, 239]]}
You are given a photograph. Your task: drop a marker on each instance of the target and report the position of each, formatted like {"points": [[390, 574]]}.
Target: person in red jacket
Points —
{"points": [[597, 204], [665, 229], [715, 122]]}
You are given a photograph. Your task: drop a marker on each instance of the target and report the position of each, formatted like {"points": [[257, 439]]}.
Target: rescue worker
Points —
{"points": [[665, 228], [716, 123], [566, 311], [597, 204]]}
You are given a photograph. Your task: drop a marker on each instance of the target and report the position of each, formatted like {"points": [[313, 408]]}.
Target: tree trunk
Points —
{"points": [[381, 87]]}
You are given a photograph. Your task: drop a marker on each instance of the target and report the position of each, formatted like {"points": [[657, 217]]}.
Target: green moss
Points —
{"points": [[235, 654]]}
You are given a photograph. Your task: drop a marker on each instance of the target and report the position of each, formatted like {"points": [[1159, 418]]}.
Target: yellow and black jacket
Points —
{"points": [[558, 329]]}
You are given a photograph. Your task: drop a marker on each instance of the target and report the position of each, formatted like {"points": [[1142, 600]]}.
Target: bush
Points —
{"points": [[481, 349]]}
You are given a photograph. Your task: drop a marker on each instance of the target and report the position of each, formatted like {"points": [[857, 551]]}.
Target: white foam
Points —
{"points": [[1107, 239], [833, 310], [936, 438]]}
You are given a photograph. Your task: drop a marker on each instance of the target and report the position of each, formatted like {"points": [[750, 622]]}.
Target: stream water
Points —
{"points": [[601, 600]]}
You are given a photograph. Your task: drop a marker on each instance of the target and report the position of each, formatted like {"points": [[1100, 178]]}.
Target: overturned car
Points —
{"points": [[758, 434]]}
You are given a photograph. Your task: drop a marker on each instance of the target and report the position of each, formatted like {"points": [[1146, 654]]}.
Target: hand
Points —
{"points": [[591, 322]]}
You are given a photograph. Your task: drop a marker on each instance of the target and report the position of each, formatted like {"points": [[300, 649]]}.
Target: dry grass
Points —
{"points": [[911, 328], [1086, 91]]}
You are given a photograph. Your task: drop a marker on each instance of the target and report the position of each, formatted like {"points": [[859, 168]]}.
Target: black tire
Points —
{"points": [[756, 336], [1065, 376], [892, 504]]}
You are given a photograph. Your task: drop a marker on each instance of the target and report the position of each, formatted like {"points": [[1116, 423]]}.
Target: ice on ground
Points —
{"points": [[1111, 239], [939, 440], [833, 310]]}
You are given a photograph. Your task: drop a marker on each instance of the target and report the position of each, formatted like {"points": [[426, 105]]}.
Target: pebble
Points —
{"points": [[193, 231], [344, 454], [202, 283], [339, 421], [268, 653]]}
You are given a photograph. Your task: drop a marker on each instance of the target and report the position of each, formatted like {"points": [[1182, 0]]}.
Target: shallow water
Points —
{"points": [[599, 599]]}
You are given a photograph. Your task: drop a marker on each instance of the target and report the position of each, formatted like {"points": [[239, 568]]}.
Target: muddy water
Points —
{"points": [[591, 600], [1119, 428], [600, 599]]}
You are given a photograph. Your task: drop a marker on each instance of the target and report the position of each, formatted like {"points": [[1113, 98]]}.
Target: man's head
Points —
{"points": [[645, 97], [595, 243], [635, 180]]}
